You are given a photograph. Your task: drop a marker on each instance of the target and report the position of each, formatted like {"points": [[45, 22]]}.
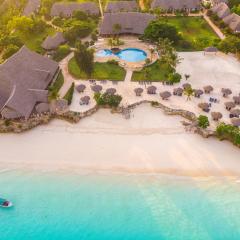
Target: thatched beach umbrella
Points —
{"points": [[96, 88], [138, 91], [216, 116], [80, 88], [85, 100], [165, 95], [203, 106], [210, 50], [208, 89], [235, 122], [186, 85], [235, 112], [178, 91], [111, 91], [198, 93], [226, 92], [236, 100], [42, 108], [151, 90], [229, 105]]}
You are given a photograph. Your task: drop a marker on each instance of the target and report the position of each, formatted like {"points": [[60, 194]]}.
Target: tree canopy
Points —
{"points": [[157, 29]]}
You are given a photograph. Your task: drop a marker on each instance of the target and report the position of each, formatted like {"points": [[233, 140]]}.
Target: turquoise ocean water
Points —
{"points": [[99, 206]]}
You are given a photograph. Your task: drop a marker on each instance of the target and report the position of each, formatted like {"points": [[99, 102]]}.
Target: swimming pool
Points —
{"points": [[128, 54]]}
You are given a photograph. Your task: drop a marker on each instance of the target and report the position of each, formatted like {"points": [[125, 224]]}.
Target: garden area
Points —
{"points": [[101, 71], [156, 72], [194, 33]]}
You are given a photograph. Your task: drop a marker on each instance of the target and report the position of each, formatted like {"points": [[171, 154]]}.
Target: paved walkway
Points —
{"points": [[68, 79], [214, 27], [128, 76]]}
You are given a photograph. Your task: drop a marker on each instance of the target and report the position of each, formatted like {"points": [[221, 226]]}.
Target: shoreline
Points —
{"points": [[146, 143]]}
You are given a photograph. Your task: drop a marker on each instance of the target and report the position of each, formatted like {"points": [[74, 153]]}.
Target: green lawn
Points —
{"points": [[102, 71], [157, 73], [194, 30]]}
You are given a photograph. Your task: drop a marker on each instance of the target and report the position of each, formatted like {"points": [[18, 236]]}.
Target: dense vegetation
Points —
{"points": [[229, 132], [107, 99], [69, 95]]}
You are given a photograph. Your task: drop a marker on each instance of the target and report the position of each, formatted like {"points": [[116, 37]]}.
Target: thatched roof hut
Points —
{"points": [[42, 108], [198, 93], [165, 95], [122, 6], [53, 42], [235, 122], [178, 91], [226, 92], [151, 90], [216, 116], [208, 89], [60, 105], [96, 88], [229, 105], [236, 99], [186, 85], [80, 88], [111, 91], [235, 112], [203, 106], [85, 100], [138, 91]]}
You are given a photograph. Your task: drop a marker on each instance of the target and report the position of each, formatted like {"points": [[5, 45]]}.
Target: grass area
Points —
{"points": [[102, 71], [195, 31], [56, 86], [157, 72], [34, 41]]}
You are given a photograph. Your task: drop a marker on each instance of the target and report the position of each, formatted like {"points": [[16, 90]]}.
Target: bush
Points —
{"points": [[56, 86], [61, 52], [174, 78], [69, 95], [227, 131], [9, 51], [107, 99], [203, 121], [113, 61]]}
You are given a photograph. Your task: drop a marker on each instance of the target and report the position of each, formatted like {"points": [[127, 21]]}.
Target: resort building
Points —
{"points": [[130, 23], [233, 21], [221, 9], [173, 5], [67, 9], [122, 6], [52, 42], [31, 7], [24, 79]]}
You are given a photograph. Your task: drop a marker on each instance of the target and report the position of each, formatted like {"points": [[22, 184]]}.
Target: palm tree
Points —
{"points": [[117, 28], [189, 92], [151, 53], [110, 42]]}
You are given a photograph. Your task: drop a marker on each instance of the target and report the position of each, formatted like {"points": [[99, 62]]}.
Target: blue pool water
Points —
{"points": [[100, 207], [128, 54]]}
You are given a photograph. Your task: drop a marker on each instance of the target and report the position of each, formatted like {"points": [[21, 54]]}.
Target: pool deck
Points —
{"points": [[128, 43]]}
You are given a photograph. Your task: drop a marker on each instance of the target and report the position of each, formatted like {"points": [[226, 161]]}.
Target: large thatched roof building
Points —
{"points": [[221, 9], [67, 9], [122, 6], [233, 22], [24, 78], [171, 5], [31, 7], [130, 22]]}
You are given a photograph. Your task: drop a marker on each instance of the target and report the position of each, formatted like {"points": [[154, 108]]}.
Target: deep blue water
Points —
{"points": [[101, 207]]}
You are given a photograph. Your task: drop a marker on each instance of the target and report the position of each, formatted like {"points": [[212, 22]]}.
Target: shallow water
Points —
{"points": [[101, 206]]}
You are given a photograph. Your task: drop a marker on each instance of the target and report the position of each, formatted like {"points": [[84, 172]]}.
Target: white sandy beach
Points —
{"points": [[149, 142]]}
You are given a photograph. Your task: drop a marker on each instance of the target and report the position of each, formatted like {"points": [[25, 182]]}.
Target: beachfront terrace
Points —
{"points": [[203, 70]]}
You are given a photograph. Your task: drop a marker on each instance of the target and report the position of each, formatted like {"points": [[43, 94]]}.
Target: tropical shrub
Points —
{"points": [[69, 95], [203, 121], [107, 99]]}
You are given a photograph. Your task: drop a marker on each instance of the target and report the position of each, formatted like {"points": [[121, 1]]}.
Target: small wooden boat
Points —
{"points": [[5, 203]]}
